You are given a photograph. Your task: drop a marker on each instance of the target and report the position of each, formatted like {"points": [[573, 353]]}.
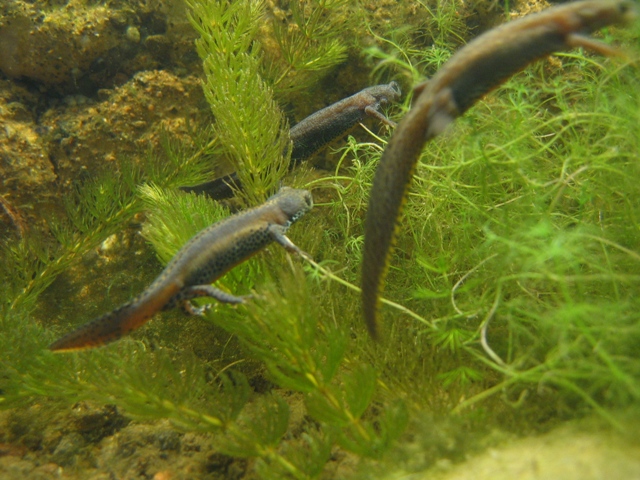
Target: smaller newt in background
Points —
{"points": [[318, 129], [321, 127], [205, 258], [476, 69]]}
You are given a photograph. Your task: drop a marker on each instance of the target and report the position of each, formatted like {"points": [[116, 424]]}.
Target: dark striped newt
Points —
{"points": [[205, 258], [479, 67], [316, 130]]}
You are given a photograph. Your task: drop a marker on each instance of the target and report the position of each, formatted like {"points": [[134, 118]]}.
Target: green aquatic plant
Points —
{"points": [[161, 382], [309, 43], [520, 244], [285, 328], [241, 73], [418, 54], [95, 210], [513, 281], [288, 333], [178, 163], [254, 131], [174, 217]]}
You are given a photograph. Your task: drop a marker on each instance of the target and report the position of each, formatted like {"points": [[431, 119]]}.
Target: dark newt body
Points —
{"points": [[205, 258], [476, 69], [318, 129]]}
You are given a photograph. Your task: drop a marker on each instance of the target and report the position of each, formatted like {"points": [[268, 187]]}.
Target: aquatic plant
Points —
{"points": [[514, 280], [166, 383], [520, 243], [416, 54], [254, 132], [308, 44]]}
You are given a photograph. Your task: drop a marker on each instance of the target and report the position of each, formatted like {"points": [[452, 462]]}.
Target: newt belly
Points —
{"points": [[476, 69]]}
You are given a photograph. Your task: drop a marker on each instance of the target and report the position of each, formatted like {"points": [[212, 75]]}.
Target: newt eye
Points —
{"points": [[624, 7]]}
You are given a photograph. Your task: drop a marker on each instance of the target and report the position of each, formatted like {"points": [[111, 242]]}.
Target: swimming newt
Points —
{"points": [[205, 258], [480, 66], [318, 129]]}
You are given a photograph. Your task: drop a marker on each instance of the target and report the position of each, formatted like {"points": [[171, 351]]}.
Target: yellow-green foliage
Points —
{"points": [[286, 328], [519, 247], [418, 55], [248, 122], [309, 42], [94, 211]]}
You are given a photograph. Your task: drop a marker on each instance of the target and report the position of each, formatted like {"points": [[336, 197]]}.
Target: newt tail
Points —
{"points": [[119, 322], [473, 71]]}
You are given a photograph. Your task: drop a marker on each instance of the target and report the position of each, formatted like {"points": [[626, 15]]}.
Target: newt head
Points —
{"points": [[597, 14], [293, 202], [390, 93], [385, 94]]}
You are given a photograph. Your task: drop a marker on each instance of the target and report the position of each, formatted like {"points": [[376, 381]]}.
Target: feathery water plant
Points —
{"points": [[174, 217], [308, 44], [238, 73], [254, 132], [414, 56], [95, 210], [523, 240], [519, 257], [284, 327]]}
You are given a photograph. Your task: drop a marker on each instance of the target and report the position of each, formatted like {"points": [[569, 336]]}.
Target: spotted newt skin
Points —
{"points": [[479, 67], [318, 129], [205, 258]]}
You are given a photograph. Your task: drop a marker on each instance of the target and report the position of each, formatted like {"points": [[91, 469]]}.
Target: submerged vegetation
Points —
{"points": [[515, 279]]}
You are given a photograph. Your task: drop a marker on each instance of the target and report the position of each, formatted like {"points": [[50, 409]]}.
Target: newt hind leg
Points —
{"points": [[183, 298]]}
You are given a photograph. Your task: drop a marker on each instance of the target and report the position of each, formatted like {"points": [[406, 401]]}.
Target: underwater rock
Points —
{"points": [[24, 159], [56, 46], [570, 452], [85, 135], [67, 450], [47, 145], [80, 47]]}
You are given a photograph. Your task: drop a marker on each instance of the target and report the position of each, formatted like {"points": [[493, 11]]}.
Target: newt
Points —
{"points": [[203, 259], [321, 127], [477, 68], [316, 130]]}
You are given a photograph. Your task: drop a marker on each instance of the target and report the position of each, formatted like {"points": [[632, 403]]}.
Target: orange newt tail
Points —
{"points": [[477, 68]]}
